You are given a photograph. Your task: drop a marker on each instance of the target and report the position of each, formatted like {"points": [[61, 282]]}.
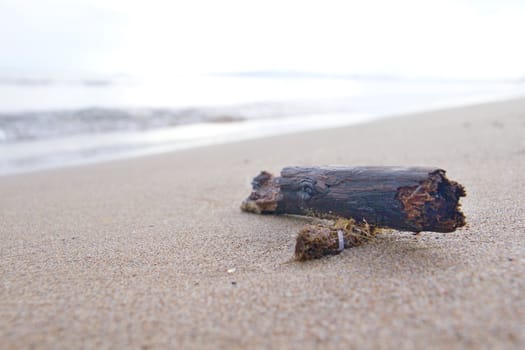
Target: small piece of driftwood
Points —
{"points": [[316, 241], [404, 198]]}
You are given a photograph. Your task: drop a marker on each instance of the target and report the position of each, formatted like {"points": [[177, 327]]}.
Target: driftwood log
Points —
{"points": [[410, 199]]}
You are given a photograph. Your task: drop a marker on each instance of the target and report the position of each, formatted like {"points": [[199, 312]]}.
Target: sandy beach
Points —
{"points": [[154, 252]]}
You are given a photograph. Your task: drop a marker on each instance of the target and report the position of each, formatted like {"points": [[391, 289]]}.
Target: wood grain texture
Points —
{"points": [[404, 198]]}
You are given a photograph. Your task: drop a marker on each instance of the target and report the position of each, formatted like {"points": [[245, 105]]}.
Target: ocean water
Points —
{"points": [[48, 123]]}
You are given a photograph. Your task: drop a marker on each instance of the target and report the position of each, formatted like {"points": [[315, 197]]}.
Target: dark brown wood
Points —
{"points": [[410, 199]]}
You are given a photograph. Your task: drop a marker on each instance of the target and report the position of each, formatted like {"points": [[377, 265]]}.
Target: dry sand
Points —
{"points": [[136, 253]]}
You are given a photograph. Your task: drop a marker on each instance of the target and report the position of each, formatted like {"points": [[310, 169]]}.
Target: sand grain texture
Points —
{"points": [[136, 253]]}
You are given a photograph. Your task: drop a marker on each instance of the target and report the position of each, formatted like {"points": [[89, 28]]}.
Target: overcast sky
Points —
{"points": [[447, 39]]}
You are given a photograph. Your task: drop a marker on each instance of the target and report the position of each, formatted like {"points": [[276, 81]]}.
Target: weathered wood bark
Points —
{"points": [[411, 199]]}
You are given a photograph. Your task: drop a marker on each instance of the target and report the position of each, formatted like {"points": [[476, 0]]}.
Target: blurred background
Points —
{"points": [[84, 81]]}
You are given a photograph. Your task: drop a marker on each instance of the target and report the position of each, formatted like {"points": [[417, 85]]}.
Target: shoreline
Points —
{"points": [[198, 135], [154, 251]]}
